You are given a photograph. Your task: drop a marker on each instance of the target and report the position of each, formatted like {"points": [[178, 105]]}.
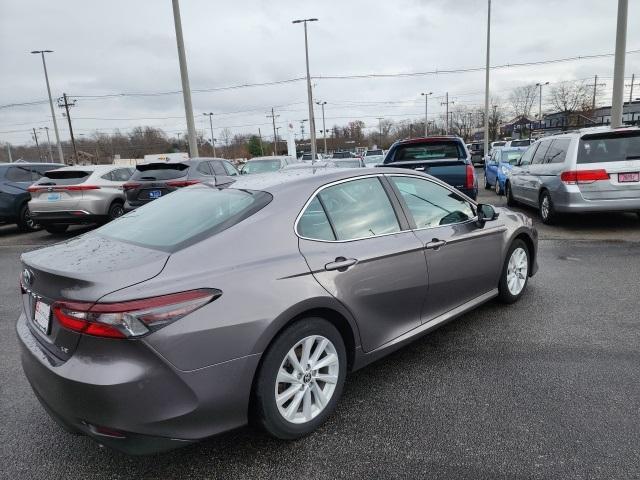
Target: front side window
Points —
{"points": [[355, 209], [231, 170], [217, 168], [538, 157], [526, 156], [432, 205], [203, 168]]}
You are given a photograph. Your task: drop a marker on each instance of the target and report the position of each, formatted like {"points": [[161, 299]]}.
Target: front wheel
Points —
{"points": [[515, 272], [509, 194], [300, 380], [498, 189]]}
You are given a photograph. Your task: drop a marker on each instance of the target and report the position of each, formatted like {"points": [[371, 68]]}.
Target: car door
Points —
{"points": [[518, 174], [491, 170], [532, 180], [359, 247], [222, 177], [463, 260]]}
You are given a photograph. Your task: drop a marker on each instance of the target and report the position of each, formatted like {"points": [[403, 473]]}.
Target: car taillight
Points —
{"points": [[574, 177], [469, 181], [181, 183], [57, 188], [131, 186], [130, 319], [34, 188]]}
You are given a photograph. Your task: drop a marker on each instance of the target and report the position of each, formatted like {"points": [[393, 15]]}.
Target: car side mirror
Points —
{"points": [[486, 213]]}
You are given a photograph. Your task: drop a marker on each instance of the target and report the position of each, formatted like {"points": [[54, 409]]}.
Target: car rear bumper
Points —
{"points": [[70, 217], [130, 205], [125, 395], [571, 200]]}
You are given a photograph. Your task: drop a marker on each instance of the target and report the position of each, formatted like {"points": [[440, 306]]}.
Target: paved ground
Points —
{"points": [[546, 388]]}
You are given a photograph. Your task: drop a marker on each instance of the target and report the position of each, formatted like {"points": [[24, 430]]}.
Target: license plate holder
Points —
{"points": [[629, 177], [155, 193], [42, 316], [53, 197]]}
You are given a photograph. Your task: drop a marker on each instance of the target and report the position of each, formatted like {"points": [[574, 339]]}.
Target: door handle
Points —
{"points": [[435, 244], [341, 264]]}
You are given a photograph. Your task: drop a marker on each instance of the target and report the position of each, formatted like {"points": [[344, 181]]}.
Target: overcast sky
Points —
{"points": [[129, 46]]}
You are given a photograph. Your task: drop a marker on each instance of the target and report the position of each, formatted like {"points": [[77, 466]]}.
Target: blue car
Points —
{"points": [[498, 166]]}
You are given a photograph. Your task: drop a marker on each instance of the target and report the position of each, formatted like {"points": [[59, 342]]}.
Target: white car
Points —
{"points": [[373, 157]]}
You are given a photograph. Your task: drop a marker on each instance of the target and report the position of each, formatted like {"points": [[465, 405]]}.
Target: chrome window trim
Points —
{"points": [[388, 175]]}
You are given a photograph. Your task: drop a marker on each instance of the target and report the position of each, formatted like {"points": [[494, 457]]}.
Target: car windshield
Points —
{"points": [[511, 157], [609, 147], [64, 177], [428, 151], [373, 152], [306, 156], [341, 155], [499, 144], [261, 166], [160, 171], [520, 143], [185, 217]]}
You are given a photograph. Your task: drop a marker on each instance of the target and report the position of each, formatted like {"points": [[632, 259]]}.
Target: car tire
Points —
{"points": [[509, 194], [300, 410], [497, 188], [487, 185], [116, 209], [515, 272], [56, 228], [25, 221], [547, 211]]}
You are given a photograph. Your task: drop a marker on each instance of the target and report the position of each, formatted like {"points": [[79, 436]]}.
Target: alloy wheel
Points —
{"points": [[498, 189], [307, 379], [517, 270], [545, 205]]}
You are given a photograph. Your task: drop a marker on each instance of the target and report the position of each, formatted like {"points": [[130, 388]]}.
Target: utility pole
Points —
{"points": [[63, 102], [273, 117], [618, 67], [324, 127], [53, 114], [447, 102], [380, 134], [261, 147], [486, 82], [35, 136], [595, 89], [312, 122], [426, 112], [213, 140], [540, 85], [46, 129], [302, 129], [633, 79], [9, 152], [184, 75]]}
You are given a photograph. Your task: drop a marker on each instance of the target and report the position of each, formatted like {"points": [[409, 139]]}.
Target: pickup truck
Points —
{"points": [[444, 157]]}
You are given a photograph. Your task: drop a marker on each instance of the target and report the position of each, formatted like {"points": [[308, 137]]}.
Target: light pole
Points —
{"points": [[35, 137], [46, 129], [53, 115], [312, 122], [213, 140], [486, 82], [184, 75], [426, 110], [618, 67], [539, 85], [324, 128]]}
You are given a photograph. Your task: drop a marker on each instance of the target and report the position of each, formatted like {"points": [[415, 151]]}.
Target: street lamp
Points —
{"points": [[312, 123], [213, 140], [426, 121], [53, 115], [324, 127], [540, 100]]}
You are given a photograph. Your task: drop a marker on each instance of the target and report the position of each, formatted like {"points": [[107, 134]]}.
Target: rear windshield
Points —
{"points": [[499, 144], [609, 147], [185, 217], [64, 177], [261, 166], [342, 155], [348, 163], [373, 152], [429, 151], [520, 143], [160, 171], [306, 156]]}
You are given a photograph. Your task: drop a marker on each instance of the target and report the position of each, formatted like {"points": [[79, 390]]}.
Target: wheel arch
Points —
{"points": [[528, 241]]}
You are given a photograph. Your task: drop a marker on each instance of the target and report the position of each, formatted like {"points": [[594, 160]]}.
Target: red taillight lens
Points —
{"points": [[469, 181], [58, 188], [131, 186], [34, 188], [574, 177], [133, 318], [182, 183]]}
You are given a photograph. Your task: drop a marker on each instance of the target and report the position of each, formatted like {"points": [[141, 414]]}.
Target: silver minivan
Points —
{"points": [[78, 195], [589, 170]]}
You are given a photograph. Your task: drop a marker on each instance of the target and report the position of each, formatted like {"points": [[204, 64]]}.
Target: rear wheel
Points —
{"points": [[115, 210], [300, 380], [547, 211], [515, 272], [25, 222], [56, 228], [509, 194]]}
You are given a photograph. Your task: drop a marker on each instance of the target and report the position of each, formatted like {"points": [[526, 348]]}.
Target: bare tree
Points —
{"points": [[496, 118], [521, 100], [571, 97]]}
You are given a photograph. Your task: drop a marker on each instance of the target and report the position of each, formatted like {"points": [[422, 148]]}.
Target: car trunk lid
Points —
{"points": [[60, 190]]}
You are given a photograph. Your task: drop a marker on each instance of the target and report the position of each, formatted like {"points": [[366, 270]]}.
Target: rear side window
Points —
{"points": [[160, 171], [203, 167], [65, 177], [609, 147], [314, 223], [429, 151], [231, 170], [359, 209], [262, 166], [19, 174], [121, 174], [217, 168], [557, 150], [185, 217]]}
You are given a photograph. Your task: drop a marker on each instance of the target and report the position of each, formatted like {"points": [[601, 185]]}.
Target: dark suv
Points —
{"points": [[157, 179], [444, 157], [15, 179]]}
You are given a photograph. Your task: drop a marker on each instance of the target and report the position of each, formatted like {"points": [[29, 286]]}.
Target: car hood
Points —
{"points": [[88, 267]]}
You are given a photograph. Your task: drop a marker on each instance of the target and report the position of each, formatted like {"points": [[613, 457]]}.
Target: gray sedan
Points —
{"points": [[212, 307]]}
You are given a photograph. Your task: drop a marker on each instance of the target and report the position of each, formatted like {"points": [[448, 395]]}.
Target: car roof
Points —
{"points": [[91, 168], [21, 164], [271, 157]]}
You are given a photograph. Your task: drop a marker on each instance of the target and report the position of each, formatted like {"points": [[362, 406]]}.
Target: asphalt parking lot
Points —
{"points": [[545, 388]]}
